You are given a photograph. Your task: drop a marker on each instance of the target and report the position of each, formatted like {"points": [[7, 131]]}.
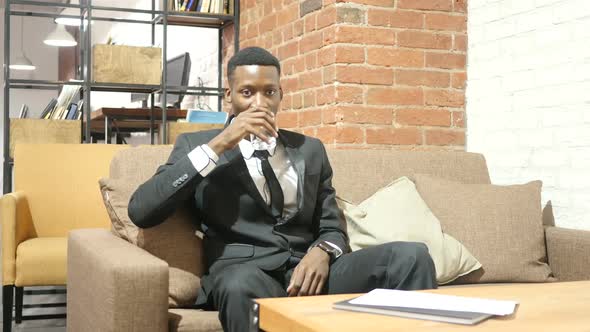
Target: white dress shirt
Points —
{"points": [[204, 159], [284, 171]]}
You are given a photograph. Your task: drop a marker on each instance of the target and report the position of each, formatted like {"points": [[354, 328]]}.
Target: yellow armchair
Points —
{"points": [[55, 190], [17, 227]]}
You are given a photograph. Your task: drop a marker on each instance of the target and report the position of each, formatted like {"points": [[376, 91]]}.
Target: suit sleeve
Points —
{"points": [[331, 222], [172, 185]]}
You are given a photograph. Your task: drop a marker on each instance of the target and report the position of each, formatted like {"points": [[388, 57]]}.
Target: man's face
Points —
{"points": [[253, 84]]}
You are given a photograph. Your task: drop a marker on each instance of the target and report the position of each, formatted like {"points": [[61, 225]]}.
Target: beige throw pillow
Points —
{"points": [[398, 213], [173, 241], [500, 225]]}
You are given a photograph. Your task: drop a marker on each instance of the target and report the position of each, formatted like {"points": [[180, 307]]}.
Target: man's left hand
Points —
{"points": [[310, 274]]}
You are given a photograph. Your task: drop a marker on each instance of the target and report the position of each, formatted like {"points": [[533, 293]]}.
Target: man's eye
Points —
{"points": [[271, 92], [246, 93]]}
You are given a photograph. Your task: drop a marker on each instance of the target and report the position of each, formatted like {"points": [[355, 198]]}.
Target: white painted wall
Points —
{"points": [[528, 97]]}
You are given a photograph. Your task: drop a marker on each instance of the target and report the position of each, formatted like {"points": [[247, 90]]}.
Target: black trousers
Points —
{"points": [[395, 265]]}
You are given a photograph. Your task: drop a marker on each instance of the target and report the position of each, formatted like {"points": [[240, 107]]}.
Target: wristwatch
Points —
{"points": [[329, 249]]}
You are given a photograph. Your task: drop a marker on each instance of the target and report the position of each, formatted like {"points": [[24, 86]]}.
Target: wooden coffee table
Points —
{"points": [[563, 306]]}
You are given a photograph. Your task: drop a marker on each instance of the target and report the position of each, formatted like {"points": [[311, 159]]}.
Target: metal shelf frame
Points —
{"points": [[91, 13], [205, 20]]}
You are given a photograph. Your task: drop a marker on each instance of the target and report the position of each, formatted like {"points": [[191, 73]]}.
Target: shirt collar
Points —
{"points": [[248, 150]]}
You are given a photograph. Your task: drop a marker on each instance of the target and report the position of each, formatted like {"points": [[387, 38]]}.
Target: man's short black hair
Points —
{"points": [[251, 56]]}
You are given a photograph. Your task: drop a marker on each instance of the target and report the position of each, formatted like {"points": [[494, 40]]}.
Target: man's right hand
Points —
{"points": [[256, 120]]}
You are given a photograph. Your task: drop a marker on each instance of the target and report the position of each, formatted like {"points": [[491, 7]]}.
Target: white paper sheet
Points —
{"points": [[412, 299]]}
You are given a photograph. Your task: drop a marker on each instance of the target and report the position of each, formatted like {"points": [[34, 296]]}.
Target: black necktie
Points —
{"points": [[276, 193]]}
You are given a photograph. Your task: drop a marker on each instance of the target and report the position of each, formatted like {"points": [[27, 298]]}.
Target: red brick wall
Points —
{"points": [[367, 73]]}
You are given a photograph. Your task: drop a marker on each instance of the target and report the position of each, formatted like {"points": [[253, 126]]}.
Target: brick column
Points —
{"points": [[367, 73]]}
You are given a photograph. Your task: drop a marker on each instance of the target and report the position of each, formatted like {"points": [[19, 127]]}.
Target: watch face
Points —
{"points": [[326, 248]]}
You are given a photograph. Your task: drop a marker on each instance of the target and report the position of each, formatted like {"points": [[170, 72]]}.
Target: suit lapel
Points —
{"points": [[298, 162], [236, 161]]}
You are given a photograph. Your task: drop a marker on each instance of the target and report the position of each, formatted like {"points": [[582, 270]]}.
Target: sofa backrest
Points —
{"points": [[60, 182], [138, 164], [360, 173], [372, 169]]}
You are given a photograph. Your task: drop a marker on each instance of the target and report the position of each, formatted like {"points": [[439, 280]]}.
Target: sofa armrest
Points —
{"points": [[114, 285], [17, 226], [568, 251]]}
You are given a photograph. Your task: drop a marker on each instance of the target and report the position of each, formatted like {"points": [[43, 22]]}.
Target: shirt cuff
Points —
{"points": [[212, 155], [204, 159]]}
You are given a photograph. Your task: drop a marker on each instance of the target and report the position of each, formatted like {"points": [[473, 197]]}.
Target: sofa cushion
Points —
{"points": [[190, 320], [568, 253], [398, 213], [174, 240], [115, 195], [377, 168], [41, 261], [500, 225]]}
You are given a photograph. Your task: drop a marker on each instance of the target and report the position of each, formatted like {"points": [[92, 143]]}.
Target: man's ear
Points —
{"points": [[281, 92], [227, 95]]}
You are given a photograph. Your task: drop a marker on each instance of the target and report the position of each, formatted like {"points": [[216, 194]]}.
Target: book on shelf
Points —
{"points": [[221, 7], [428, 306], [63, 107], [72, 110], [201, 6], [79, 110], [175, 5], [65, 98], [24, 109], [205, 6], [48, 108]]}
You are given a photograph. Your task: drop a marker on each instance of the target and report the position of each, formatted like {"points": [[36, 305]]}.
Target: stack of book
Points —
{"points": [[64, 107], [201, 6], [428, 306]]}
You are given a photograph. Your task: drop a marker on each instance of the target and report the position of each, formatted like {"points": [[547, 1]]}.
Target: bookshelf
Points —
{"points": [[89, 12]]}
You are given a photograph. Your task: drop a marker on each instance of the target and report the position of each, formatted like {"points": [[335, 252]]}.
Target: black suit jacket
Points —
{"points": [[237, 223]]}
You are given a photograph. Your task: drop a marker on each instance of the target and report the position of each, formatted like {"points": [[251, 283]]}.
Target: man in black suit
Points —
{"points": [[270, 220]]}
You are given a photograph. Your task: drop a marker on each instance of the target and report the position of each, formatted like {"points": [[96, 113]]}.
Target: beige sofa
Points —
{"points": [[115, 286]]}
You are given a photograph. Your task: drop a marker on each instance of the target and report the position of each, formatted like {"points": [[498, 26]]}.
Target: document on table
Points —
{"points": [[422, 300]]}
